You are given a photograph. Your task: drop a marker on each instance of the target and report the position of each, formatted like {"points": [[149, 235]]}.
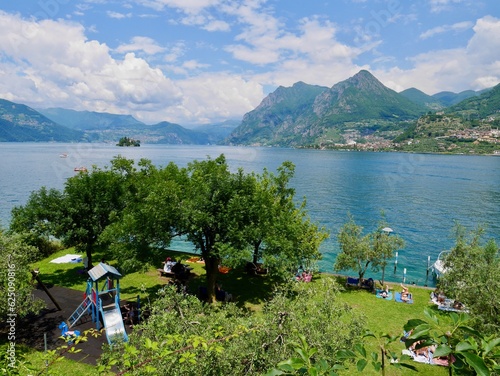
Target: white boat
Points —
{"points": [[438, 267]]}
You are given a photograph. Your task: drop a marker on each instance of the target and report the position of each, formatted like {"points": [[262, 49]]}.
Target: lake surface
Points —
{"points": [[422, 195]]}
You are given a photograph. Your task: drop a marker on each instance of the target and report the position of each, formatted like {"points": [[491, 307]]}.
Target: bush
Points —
{"points": [[184, 336]]}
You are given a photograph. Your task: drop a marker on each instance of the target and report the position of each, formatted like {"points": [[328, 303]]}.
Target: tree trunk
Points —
{"points": [[212, 270], [361, 276], [256, 248], [383, 275], [88, 252]]}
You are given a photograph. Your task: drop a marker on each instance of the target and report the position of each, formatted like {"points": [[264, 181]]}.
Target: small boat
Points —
{"points": [[438, 267], [63, 155], [80, 169]]}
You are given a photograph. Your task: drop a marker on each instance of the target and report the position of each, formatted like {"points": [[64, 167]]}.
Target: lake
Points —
{"points": [[422, 195]]}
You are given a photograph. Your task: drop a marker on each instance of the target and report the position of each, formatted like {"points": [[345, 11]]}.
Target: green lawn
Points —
{"points": [[250, 292]]}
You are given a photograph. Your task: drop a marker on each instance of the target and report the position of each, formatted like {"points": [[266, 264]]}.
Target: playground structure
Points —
{"points": [[104, 303]]}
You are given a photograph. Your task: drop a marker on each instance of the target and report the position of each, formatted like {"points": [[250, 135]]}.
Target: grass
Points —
{"points": [[250, 292]]}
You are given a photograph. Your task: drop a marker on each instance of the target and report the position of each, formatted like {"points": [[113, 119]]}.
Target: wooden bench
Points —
{"points": [[163, 273]]}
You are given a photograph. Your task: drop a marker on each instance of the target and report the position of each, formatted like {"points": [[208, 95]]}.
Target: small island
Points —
{"points": [[126, 141]]}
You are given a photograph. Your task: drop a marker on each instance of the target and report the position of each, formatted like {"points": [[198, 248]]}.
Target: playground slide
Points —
{"points": [[113, 323]]}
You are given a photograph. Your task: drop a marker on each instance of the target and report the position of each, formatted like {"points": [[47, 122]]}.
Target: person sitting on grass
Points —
{"points": [[169, 263]]}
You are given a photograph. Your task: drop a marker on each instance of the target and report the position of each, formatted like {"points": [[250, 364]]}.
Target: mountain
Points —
{"points": [[448, 98], [305, 115], [169, 133], [89, 120], [20, 123], [363, 97], [423, 100], [479, 106], [218, 131], [270, 121], [107, 127], [470, 126]]}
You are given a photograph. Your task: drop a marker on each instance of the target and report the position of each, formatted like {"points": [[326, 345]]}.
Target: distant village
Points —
{"points": [[375, 142]]}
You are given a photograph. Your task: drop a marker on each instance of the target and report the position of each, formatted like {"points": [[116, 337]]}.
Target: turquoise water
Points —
{"points": [[422, 195]]}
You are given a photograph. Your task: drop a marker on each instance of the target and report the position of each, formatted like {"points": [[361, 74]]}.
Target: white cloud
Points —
{"points": [[217, 25], [118, 15], [475, 66], [456, 27], [186, 6], [443, 5], [138, 43], [39, 68]]}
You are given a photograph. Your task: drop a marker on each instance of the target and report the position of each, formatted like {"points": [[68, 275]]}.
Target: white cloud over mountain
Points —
{"points": [[198, 61]]}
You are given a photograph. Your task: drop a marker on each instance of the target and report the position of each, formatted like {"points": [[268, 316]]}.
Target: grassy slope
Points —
{"points": [[250, 292]]}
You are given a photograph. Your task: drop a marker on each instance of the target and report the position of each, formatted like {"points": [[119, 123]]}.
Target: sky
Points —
{"points": [[195, 62]]}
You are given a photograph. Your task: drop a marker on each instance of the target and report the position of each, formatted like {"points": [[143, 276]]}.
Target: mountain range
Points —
{"points": [[355, 111], [359, 110]]}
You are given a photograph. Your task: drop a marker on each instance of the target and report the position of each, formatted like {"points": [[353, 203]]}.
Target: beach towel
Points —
{"points": [[388, 297], [399, 300], [67, 259]]}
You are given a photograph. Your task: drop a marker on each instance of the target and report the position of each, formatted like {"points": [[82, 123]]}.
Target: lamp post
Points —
{"points": [[387, 231]]}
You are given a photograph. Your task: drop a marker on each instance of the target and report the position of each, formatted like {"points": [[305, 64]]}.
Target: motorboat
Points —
{"points": [[80, 169]]}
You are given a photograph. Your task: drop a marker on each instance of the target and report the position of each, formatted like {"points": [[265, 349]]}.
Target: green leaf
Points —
{"points": [[150, 369], [361, 349], [295, 363], [442, 350], [413, 323], [312, 371], [477, 363], [420, 331], [431, 315], [465, 346], [491, 345], [346, 354], [361, 364]]}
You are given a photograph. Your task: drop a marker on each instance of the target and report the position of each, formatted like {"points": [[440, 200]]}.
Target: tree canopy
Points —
{"points": [[473, 277], [230, 217], [80, 213], [360, 252]]}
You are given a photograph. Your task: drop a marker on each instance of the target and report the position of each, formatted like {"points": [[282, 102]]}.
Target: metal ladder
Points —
{"points": [[79, 312]]}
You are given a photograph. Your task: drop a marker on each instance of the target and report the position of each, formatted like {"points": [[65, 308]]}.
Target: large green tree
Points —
{"points": [[278, 231], [150, 218], [205, 218], [473, 277], [79, 214], [362, 252]]}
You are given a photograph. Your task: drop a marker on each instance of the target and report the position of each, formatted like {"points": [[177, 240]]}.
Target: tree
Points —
{"points": [[204, 216], [384, 244], [473, 277], [279, 233], [150, 218], [16, 285], [469, 351], [360, 252], [89, 203]]}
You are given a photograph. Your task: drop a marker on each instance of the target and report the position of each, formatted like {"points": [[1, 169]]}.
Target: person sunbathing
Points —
{"points": [[405, 294], [385, 293]]}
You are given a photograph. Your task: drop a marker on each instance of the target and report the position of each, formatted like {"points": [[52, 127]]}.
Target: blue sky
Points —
{"points": [[204, 61]]}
